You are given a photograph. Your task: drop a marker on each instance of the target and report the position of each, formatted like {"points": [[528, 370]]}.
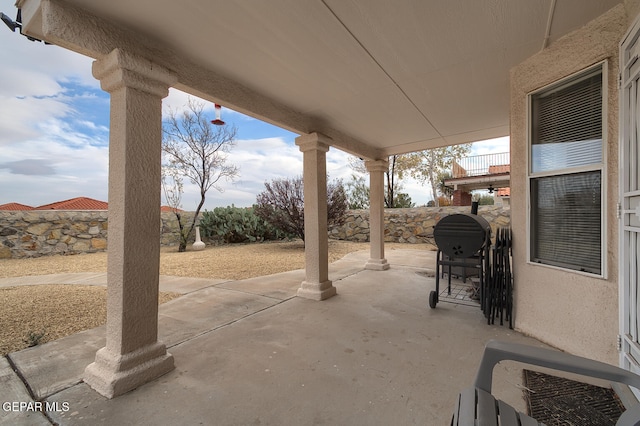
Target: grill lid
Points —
{"points": [[461, 235]]}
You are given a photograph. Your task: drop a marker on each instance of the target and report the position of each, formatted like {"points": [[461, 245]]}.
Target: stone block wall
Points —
{"points": [[37, 233], [169, 231], [412, 225], [40, 233]]}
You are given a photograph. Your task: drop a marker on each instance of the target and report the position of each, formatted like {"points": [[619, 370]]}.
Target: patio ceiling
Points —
{"points": [[377, 77]]}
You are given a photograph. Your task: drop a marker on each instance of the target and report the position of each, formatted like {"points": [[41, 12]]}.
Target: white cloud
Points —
{"points": [[33, 77], [92, 126], [491, 146], [175, 101], [71, 133], [22, 118], [16, 82], [71, 172]]}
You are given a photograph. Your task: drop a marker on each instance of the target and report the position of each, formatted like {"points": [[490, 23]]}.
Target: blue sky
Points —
{"points": [[54, 134]]}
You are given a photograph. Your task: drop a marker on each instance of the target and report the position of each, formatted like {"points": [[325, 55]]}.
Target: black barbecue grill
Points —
{"points": [[463, 240]]}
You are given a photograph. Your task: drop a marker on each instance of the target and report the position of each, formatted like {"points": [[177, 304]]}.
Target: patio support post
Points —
{"points": [[132, 355], [376, 169], [316, 285]]}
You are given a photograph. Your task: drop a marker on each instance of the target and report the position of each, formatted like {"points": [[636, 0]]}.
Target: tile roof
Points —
{"points": [[78, 203], [504, 192], [15, 206], [169, 209]]}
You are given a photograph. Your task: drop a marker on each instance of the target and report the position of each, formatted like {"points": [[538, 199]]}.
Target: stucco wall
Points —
{"points": [[569, 310]]}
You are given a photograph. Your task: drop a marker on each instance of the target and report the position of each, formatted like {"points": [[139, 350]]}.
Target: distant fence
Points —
{"points": [[47, 232]]}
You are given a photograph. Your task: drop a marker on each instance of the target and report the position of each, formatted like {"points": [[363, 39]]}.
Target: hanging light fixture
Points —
{"points": [[491, 189], [217, 121]]}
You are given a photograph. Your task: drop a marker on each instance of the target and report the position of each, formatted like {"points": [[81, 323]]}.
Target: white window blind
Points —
{"points": [[566, 226], [566, 205], [567, 126]]}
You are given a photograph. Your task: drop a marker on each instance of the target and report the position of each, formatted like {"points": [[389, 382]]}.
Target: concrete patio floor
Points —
{"points": [[250, 352]]}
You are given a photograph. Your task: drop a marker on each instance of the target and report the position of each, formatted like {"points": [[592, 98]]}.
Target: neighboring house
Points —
{"points": [[78, 203], [15, 207], [354, 77], [479, 172], [503, 196]]}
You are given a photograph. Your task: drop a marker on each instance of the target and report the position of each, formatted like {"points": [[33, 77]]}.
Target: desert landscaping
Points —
{"points": [[37, 314]]}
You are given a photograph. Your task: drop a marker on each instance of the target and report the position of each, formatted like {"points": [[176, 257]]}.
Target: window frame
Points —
{"points": [[601, 167]]}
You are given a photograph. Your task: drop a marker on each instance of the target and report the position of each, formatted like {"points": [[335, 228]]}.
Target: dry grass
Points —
{"points": [[56, 311]]}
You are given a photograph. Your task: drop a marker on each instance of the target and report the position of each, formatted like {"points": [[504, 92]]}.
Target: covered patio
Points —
{"points": [[361, 78], [250, 352]]}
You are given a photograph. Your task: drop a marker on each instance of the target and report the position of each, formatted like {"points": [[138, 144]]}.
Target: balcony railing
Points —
{"points": [[481, 165]]}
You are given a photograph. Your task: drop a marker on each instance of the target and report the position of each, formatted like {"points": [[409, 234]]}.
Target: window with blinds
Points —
{"points": [[565, 174]]}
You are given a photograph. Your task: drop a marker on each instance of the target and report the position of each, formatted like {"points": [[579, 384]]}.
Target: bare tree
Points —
{"points": [[428, 165], [197, 150], [399, 166], [172, 188]]}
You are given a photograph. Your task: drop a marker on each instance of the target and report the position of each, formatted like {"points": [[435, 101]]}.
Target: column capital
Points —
{"points": [[377, 165], [121, 69], [313, 141]]}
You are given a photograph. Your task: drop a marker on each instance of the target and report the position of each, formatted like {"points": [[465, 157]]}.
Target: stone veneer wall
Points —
{"points": [[412, 225], [169, 228], [40, 233], [37, 233]]}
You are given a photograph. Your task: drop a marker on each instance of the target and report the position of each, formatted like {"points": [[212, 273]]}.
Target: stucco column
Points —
{"points": [[376, 171], [132, 355], [316, 285]]}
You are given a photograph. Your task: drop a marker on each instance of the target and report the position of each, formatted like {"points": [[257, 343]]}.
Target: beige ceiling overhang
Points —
{"points": [[377, 77]]}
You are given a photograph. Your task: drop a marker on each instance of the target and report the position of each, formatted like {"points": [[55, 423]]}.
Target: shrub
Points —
{"points": [[237, 225], [34, 338], [486, 200], [282, 204]]}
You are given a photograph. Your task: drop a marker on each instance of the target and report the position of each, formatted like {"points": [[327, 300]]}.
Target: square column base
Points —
{"points": [[112, 375], [377, 264], [317, 291]]}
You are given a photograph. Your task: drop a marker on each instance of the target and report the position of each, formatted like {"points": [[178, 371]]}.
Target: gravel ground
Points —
{"points": [[37, 314]]}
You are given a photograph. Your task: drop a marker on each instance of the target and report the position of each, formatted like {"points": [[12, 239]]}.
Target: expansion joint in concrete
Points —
{"points": [[27, 386], [211, 330]]}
